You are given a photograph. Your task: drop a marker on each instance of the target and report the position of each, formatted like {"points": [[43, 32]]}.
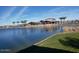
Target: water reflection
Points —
{"points": [[18, 38]]}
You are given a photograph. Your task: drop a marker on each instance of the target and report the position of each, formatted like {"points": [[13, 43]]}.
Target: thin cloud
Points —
{"points": [[8, 13], [20, 13], [59, 10]]}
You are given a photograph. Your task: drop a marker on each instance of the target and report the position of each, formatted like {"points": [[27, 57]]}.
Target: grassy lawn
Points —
{"points": [[64, 41]]}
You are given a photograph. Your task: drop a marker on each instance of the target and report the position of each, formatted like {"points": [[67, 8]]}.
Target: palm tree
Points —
{"points": [[62, 19], [23, 21], [18, 22], [13, 22]]}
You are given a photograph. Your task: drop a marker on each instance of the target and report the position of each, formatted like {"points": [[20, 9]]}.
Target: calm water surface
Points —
{"points": [[15, 39]]}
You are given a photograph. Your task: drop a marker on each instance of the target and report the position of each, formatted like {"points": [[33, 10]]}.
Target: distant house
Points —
{"points": [[73, 22], [77, 21]]}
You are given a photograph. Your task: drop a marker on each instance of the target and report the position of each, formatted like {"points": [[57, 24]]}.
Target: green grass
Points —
{"points": [[64, 41]]}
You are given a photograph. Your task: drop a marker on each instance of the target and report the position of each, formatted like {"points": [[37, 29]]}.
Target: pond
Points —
{"points": [[15, 39]]}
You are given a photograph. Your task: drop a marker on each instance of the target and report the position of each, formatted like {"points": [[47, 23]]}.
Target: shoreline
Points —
{"points": [[43, 47], [47, 38], [30, 26]]}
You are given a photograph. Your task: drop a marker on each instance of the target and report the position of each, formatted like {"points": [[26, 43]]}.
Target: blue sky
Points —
{"points": [[8, 14]]}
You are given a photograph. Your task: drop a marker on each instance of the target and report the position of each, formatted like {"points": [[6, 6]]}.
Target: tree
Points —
{"points": [[41, 21], [13, 22], [62, 19], [18, 22], [23, 21], [32, 23]]}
